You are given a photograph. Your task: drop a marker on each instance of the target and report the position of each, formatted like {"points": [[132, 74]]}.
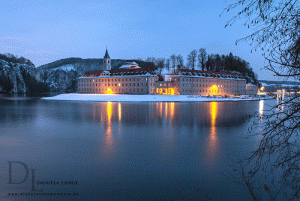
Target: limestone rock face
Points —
{"points": [[61, 80], [13, 72]]}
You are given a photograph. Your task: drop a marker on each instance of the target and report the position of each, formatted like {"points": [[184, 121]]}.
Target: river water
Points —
{"points": [[122, 151]]}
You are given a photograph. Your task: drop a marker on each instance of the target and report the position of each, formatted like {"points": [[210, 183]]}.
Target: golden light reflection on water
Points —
{"points": [[213, 110], [108, 136], [119, 111], [165, 110], [213, 134], [160, 109], [168, 112], [110, 113], [261, 107], [172, 110]]}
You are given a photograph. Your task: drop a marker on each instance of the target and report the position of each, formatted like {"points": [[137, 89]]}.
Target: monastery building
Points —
{"points": [[132, 79]]}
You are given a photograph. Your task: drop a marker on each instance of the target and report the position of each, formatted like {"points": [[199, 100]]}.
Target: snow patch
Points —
{"points": [[67, 67], [145, 98]]}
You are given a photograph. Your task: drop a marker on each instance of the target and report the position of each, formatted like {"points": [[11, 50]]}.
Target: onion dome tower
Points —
{"points": [[106, 61]]}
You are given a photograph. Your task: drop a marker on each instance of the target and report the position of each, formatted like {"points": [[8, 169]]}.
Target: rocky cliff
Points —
{"points": [[15, 76]]}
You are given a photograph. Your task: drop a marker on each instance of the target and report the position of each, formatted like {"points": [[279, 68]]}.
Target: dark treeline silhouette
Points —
{"points": [[200, 60], [12, 58], [63, 62], [230, 63]]}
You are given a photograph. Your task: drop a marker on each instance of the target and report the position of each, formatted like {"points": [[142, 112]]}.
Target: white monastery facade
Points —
{"points": [[131, 79]]}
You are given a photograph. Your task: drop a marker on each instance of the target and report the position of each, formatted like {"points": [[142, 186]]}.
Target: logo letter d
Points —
{"points": [[10, 170]]}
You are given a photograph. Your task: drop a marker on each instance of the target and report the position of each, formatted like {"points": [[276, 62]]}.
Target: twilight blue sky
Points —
{"points": [[45, 31]]}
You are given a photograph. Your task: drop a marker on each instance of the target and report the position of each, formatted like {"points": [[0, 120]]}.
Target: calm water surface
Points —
{"points": [[123, 151]]}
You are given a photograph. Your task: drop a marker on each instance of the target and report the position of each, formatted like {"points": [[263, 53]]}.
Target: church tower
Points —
{"points": [[106, 61]]}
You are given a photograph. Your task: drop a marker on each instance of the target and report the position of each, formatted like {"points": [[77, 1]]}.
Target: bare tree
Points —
{"points": [[160, 63], [192, 59], [151, 59], [202, 57], [173, 60], [179, 62], [277, 34]]}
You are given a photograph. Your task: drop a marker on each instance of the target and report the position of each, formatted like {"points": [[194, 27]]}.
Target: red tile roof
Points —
{"points": [[138, 71], [209, 73]]}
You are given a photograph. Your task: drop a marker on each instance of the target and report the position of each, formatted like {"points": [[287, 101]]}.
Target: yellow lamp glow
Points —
{"points": [[171, 91], [109, 91], [214, 89]]}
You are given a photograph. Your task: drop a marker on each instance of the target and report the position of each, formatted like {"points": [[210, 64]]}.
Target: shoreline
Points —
{"points": [[147, 98]]}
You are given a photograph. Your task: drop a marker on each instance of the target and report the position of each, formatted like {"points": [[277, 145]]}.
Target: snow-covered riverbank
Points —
{"points": [[151, 98]]}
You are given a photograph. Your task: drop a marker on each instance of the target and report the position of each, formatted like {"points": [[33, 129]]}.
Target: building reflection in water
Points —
{"points": [[213, 133], [166, 112]]}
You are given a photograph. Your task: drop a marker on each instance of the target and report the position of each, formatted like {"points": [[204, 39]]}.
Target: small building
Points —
{"points": [[251, 90]]}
